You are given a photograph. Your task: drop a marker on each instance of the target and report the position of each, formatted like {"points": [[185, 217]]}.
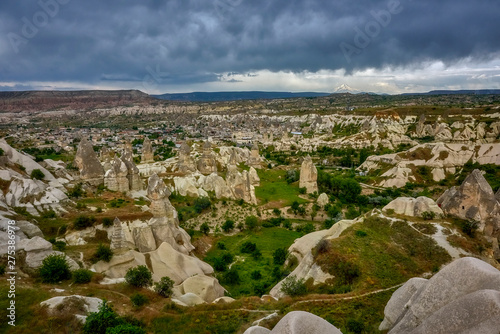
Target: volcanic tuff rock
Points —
{"points": [[298, 322], [116, 178], [255, 159], [134, 177], [474, 200], [207, 163], [147, 151], [322, 200], [308, 176], [76, 305], [414, 207], [441, 158], [185, 162], [89, 165], [464, 297]]}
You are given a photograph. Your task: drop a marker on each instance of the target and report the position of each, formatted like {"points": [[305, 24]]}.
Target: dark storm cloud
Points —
{"points": [[195, 40]]}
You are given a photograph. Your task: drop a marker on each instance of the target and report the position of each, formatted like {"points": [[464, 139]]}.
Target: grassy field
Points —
{"points": [[274, 188], [267, 241]]}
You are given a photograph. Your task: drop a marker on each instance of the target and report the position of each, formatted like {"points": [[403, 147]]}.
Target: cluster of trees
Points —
{"points": [[347, 190]]}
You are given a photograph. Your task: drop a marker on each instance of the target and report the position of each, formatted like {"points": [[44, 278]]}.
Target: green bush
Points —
{"points": [[231, 276], [248, 247], [82, 222], [59, 245], [251, 222], [54, 268], [99, 322], [76, 192], [139, 276], [279, 256], [355, 326], [125, 329], [103, 253], [2, 269], [107, 222], [302, 190], [201, 203], [37, 174], [428, 215], [294, 287], [228, 226], [256, 275], [82, 276], [256, 254], [204, 228], [164, 287], [220, 245], [139, 299], [48, 214]]}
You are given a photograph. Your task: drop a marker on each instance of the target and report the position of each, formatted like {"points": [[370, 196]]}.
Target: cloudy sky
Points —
{"points": [[161, 46]]}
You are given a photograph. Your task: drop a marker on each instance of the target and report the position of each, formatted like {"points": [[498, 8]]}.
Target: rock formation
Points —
{"points": [[308, 176], [464, 297], [76, 305], [134, 177], [118, 241], [89, 165], [255, 160], [206, 163], [323, 200], [414, 207], [298, 322], [185, 163], [240, 185], [147, 151], [474, 200], [116, 178]]}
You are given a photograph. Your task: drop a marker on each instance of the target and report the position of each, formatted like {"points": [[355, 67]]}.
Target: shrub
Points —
{"points": [[231, 276], [279, 256], [256, 275], [99, 322], [292, 176], [2, 269], [48, 214], [54, 268], [227, 258], [219, 264], [82, 222], [294, 287], [126, 329], [355, 326], [37, 174], [248, 247], [76, 192], [204, 228], [228, 225], [322, 247], [82, 276], [302, 190], [469, 227], [251, 222], [389, 211], [256, 254], [277, 212], [138, 299], [201, 203], [59, 245], [220, 245], [360, 233], [106, 221], [139, 276], [164, 287], [103, 253], [428, 215]]}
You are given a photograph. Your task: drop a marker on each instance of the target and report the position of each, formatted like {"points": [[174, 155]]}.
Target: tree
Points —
{"points": [[164, 287], [103, 253], [37, 174], [256, 275], [251, 222], [99, 322], [201, 203], [82, 276], [54, 268], [139, 276], [248, 247], [294, 287], [279, 256], [231, 276], [349, 190], [82, 222], [204, 228], [295, 206], [228, 225]]}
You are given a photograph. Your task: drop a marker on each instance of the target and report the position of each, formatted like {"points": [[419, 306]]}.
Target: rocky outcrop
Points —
{"points": [[473, 200], [206, 287], [254, 177], [308, 176], [322, 200], [240, 185], [76, 305], [133, 175], [89, 165], [464, 297], [116, 178], [255, 160], [298, 322], [185, 162], [442, 159], [207, 163], [147, 151], [118, 241], [301, 249], [414, 207]]}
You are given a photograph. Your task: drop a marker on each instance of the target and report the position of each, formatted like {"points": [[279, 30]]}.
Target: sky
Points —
{"points": [[172, 46]]}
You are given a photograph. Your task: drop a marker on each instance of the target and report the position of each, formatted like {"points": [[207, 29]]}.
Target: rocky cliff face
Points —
{"points": [[89, 165]]}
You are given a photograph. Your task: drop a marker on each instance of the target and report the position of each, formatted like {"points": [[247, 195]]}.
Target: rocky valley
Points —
{"points": [[332, 214]]}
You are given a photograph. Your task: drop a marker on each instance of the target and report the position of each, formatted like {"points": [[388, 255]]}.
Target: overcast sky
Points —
{"points": [[161, 46]]}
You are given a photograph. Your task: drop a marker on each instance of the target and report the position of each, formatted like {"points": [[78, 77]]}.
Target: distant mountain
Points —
{"points": [[13, 101], [459, 92], [234, 96], [345, 89]]}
